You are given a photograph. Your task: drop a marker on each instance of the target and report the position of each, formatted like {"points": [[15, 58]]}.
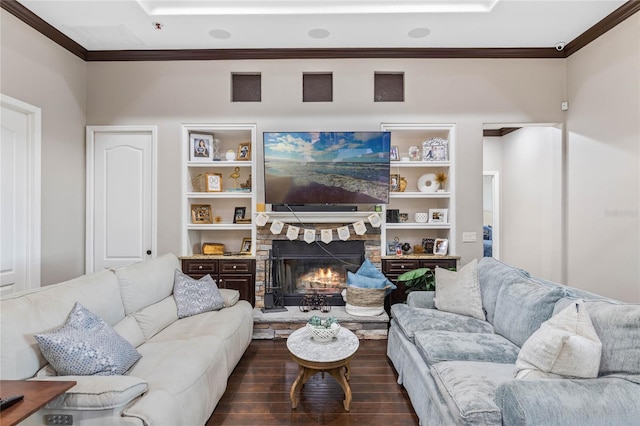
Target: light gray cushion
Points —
{"points": [[493, 275], [618, 327], [459, 292], [438, 346], [411, 319], [564, 346], [196, 296], [522, 307], [469, 389], [86, 345]]}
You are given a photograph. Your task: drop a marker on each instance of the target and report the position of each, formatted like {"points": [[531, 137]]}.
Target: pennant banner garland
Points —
{"points": [[326, 235]]}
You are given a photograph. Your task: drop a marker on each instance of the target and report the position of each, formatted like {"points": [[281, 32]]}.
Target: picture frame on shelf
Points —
{"points": [[214, 182], [244, 151], [435, 149], [201, 147], [394, 154], [394, 182], [441, 246], [438, 215], [238, 214], [414, 153], [245, 247], [428, 244], [201, 214], [391, 248]]}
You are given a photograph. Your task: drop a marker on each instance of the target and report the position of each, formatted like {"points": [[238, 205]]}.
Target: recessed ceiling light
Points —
{"points": [[220, 34], [419, 32], [319, 33]]}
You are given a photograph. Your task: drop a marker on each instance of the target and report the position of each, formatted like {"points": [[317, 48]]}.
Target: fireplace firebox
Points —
{"points": [[299, 268]]}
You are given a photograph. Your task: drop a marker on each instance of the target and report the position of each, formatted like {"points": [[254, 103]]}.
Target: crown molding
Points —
{"points": [[43, 27], [619, 15], [498, 133]]}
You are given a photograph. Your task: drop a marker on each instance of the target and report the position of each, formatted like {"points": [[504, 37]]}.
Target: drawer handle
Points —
{"points": [[235, 266], [200, 267], [401, 266]]}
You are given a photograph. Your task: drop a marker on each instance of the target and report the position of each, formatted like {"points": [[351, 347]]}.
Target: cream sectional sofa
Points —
{"points": [[185, 363]]}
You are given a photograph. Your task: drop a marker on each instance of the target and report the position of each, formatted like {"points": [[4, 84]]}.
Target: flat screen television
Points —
{"points": [[326, 167]]}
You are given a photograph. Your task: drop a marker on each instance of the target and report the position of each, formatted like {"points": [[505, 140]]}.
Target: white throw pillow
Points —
{"points": [[196, 296], [459, 292], [566, 345]]}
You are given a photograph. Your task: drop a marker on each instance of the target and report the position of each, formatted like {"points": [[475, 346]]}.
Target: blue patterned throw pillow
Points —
{"points": [[86, 345], [196, 296]]}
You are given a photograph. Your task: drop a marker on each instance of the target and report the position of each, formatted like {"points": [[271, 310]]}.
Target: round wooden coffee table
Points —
{"points": [[315, 357]]}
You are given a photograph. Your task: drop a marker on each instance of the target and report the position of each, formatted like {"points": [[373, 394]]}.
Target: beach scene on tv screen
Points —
{"points": [[326, 167]]}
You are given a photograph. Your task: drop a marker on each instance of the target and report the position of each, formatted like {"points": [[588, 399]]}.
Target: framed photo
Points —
{"points": [[201, 213], [245, 248], [391, 248], [238, 214], [435, 149], [201, 147], [414, 153], [440, 246], [438, 215], [214, 182], [394, 155], [428, 244], [244, 151], [394, 182]]}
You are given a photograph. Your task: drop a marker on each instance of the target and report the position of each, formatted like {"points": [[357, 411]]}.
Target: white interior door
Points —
{"points": [[20, 192], [120, 196]]}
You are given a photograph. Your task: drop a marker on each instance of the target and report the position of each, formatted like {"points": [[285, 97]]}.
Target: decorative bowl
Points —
{"points": [[422, 217], [323, 334]]}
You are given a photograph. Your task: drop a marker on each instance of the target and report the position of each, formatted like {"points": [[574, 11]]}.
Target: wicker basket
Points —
{"points": [[366, 297], [365, 301]]}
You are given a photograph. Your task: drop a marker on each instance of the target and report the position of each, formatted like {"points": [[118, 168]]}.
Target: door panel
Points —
{"points": [[123, 194]]}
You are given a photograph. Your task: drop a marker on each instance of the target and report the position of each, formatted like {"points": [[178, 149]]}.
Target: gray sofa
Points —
{"points": [[459, 370], [185, 363]]}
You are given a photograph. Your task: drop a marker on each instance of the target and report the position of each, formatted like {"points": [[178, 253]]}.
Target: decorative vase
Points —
{"points": [[403, 184], [422, 217]]}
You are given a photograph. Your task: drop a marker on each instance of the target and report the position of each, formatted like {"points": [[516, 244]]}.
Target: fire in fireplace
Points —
{"points": [[299, 268]]}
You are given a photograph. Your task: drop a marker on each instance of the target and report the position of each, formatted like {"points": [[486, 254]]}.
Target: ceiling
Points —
{"points": [[118, 25]]}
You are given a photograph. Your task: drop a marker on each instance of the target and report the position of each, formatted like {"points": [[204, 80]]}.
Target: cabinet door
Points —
{"points": [[242, 282], [393, 269]]}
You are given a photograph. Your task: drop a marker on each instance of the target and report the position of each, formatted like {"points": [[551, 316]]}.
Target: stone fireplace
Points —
{"points": [[307, 267], [300, 269]]}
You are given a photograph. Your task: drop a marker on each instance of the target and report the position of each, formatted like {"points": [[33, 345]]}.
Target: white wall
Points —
{"points": [[531, 201], [37, 71], [603, 161], [466, 92]]}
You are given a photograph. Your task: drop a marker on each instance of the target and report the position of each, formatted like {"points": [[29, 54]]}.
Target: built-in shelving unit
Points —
{"points": [[412, 200], [222, 203]]}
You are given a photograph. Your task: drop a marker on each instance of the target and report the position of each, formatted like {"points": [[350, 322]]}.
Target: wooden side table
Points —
{"points": [[37, 393], [315, 357]]}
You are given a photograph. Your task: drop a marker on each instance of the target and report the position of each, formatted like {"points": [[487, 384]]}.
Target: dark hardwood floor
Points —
{"points": [[258, 391]]}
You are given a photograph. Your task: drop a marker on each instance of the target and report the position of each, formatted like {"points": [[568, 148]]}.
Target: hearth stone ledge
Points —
{"points": [[279, 325]]}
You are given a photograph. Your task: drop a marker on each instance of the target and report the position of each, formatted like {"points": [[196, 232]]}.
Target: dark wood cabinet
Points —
{"points": [[236, 274], [394, 267]]}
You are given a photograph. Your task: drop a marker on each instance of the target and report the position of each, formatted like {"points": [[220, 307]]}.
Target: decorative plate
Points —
{"points": [[427, 183]]}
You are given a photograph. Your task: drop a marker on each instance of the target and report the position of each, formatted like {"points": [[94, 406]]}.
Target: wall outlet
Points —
{"points": [[58, 419], [469, 237]]}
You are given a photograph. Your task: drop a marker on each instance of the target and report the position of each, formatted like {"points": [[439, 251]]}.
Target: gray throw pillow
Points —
{"points": [[459, 292], [86, 345], [196, 296]]}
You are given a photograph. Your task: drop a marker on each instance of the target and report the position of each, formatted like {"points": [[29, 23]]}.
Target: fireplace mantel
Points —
{"points": [[319, 217]]}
